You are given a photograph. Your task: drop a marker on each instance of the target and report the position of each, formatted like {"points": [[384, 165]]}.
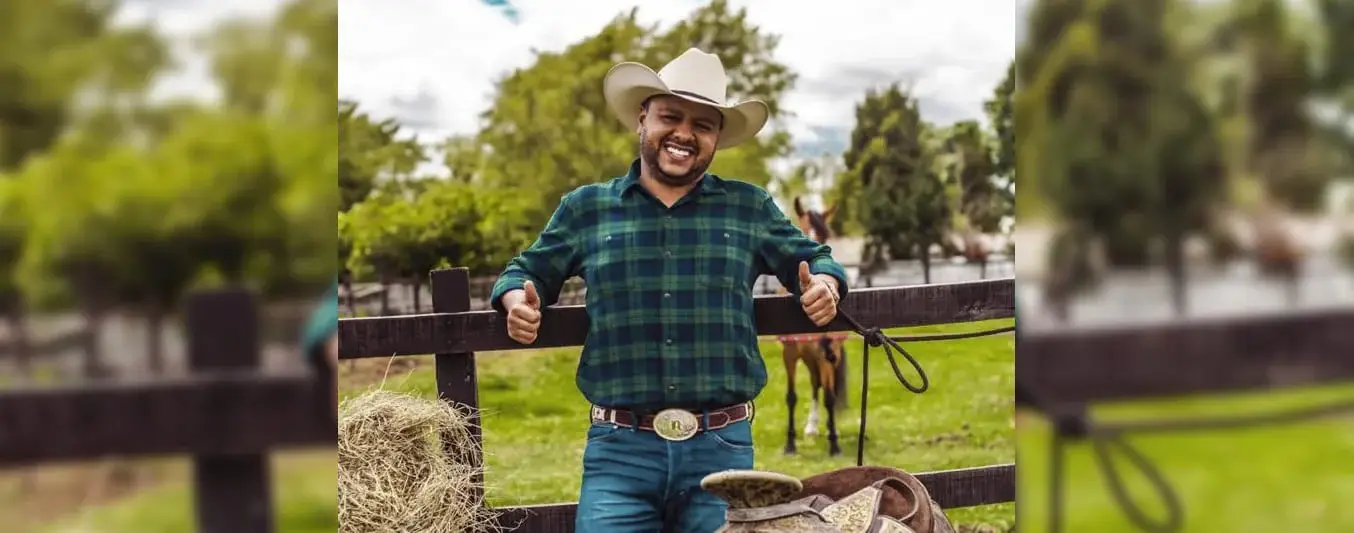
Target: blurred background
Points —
{"points": [[463, 122], [1189, 161], [149, 148]]}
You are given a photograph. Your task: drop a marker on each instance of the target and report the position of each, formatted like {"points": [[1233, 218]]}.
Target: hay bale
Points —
{"points": [[404, 465]]}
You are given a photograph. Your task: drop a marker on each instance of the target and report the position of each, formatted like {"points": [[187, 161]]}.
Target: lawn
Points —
{"points": [[1297, 477], [535, 418]]}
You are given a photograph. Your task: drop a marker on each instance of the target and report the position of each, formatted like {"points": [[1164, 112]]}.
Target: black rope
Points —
{"points": [[1072, 422], [876, 338]]}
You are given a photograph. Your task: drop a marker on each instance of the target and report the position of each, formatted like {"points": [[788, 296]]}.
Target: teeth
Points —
{"points": [[679, 152]]}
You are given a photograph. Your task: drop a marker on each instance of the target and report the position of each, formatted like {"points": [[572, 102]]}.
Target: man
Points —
{"points": [[669, 254]]}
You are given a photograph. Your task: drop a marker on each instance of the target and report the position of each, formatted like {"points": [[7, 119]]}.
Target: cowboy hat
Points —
{"points": [[695, 76]]}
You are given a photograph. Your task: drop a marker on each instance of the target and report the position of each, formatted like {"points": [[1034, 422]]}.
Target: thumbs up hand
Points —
{"points": [[524, 317], [818, 299]]}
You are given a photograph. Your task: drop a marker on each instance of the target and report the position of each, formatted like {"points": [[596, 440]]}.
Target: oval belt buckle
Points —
{"points": [[675, 424]]}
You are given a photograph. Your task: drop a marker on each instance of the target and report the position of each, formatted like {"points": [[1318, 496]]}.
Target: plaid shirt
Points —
{"points": [[669, 295]]}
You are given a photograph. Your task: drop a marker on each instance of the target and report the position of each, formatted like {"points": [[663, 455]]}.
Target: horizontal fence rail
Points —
{"points": [[453, 333], [775, 315]]}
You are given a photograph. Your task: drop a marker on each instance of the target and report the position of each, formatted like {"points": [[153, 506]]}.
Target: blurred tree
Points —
{"points": [[895, 192], [52, 51], [1121, 148], [549, 129]]}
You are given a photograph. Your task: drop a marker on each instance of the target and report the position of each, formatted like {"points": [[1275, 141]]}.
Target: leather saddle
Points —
{"points": [[868, 499]]}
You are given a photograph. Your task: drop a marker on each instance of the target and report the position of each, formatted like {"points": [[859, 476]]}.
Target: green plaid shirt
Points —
{"points": [[669, 289]]}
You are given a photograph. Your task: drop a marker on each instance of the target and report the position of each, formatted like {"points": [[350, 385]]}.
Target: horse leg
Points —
{"points": [[816, 384], [827, 370], [791, 359]]}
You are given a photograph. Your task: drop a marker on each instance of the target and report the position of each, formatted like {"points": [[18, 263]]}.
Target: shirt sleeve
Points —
{"points": [[784, 245], [547, 263]]}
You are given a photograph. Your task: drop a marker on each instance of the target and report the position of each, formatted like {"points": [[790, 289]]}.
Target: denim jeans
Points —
{"points": [[634, 481]]}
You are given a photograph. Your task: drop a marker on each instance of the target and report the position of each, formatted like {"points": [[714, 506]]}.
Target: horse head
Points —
{"points": [[817, 225]]}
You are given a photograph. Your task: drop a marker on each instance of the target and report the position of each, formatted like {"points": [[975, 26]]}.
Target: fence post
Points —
{"points": [[232, 492], [456, 382]]}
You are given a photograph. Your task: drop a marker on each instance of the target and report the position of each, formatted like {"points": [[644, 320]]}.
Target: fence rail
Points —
{"points": [[228, 415], [453, 333]]}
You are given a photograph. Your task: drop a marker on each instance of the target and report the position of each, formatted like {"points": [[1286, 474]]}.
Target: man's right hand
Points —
{"points": [[524, 313]]}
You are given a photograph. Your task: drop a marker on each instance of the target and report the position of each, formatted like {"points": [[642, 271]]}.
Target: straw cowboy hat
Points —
{"points": [[695, 76]]}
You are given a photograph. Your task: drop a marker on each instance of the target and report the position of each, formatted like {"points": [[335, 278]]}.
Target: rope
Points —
{"points": [[874, 337], [1072, 422]]}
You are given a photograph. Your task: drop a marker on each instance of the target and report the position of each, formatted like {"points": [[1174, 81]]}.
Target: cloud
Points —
{"points": [[445, 54]]}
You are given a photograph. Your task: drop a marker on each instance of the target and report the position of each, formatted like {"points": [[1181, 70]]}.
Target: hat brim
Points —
{"points": [[628, 85]]}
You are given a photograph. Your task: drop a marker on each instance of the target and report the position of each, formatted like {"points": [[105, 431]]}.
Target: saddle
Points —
{"points": [[867, 499]]}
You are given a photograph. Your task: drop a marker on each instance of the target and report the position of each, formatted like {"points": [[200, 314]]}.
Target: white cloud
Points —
{"points": [[447, 53]]}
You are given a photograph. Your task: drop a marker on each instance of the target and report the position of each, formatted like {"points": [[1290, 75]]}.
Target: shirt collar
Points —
{"points": [[709, 183]]}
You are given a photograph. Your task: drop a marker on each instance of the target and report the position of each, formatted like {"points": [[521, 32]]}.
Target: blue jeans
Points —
{"points": [[633, 479]]}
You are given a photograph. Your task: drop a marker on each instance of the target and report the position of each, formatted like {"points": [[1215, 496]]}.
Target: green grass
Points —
{"points": [[1297, 477], [535, 418], [303, 497]]}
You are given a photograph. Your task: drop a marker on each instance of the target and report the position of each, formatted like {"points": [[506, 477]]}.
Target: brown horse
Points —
{"points": [[823, 354]]}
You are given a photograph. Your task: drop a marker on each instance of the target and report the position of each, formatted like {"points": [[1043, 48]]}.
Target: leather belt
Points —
{"points": [[719, 418]]}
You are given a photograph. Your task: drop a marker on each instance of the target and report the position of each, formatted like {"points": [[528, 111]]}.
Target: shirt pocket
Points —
{"points": [[616, 260], [725, 259]]}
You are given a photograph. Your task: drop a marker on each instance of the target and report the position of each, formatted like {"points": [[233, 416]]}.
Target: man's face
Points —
{"points": [[677, 139]]}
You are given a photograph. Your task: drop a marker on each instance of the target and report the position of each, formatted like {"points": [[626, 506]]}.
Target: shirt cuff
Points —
{"points": [[829, 267], [504, 285]]}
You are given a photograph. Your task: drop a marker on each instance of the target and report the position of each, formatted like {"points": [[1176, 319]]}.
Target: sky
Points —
{"points": [[431, 63]]}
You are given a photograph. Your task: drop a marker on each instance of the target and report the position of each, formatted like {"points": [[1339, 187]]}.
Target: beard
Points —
{"points": [[650, 155]]}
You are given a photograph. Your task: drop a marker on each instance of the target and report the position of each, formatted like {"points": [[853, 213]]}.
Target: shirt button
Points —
{"points": [[672, 387], [667, 295], [667, 253], [669, 341]]}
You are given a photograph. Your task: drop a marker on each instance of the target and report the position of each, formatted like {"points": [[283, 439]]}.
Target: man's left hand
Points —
{"points": [[818, 295]]}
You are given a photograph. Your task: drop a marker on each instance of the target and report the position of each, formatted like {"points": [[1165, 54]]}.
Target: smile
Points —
{"points": [[677, 152]]}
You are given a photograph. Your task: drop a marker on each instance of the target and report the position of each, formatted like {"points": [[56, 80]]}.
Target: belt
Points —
{"points": [[690, 420]]}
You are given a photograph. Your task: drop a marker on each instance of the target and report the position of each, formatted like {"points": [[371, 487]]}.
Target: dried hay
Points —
{"points": [[404, 466]]}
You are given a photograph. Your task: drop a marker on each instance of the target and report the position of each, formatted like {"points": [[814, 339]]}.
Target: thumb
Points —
{"points": [[805, 279], [532, 299]]}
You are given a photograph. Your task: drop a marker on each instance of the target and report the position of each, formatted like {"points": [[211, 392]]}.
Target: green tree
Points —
{"points": [[369, 151], [52, 51], [1121, 147], [1000, 113], [902, 203], [974, 169], [549, 129]]}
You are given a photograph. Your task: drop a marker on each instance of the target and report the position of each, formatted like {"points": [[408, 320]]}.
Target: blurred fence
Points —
{"points": [[456, 332], [1066, 369], [228, 413]]}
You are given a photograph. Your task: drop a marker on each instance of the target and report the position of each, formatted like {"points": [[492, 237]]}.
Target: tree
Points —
{"points": [[1000, 113], [974, 169], [50, 52], [549, 129], [901, 203], [368, 151], [1122, 148]]}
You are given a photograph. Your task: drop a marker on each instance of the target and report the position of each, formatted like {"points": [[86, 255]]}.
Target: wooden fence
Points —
{"points": [[1070, 369], [227, 414], [454, 333]]}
